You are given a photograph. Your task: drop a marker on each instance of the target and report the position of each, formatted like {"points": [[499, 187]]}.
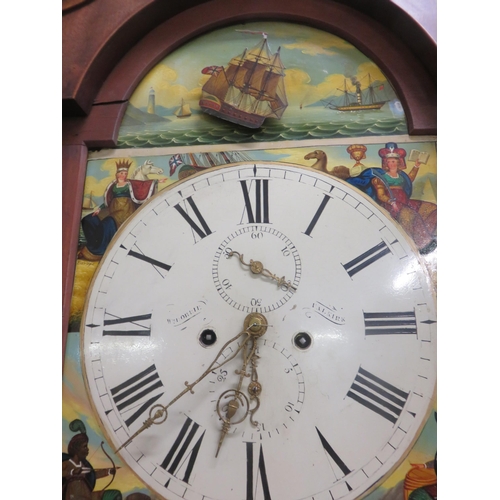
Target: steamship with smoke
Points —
{"points": [[357, 98]]}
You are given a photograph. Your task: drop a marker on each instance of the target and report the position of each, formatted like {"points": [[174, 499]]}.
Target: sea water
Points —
{"points": [[297, 124]]}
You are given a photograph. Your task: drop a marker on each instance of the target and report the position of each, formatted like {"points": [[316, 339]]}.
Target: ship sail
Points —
{"points": [[88, 203], [250, 89], [184, 111]]}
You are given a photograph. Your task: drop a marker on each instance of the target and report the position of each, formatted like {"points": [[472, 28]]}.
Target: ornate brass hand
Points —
{"points": [[256, 267], [253, 326], [257, 327]]}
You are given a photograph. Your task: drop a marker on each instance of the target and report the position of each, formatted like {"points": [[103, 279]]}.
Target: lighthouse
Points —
{"points": [[151, 101]]}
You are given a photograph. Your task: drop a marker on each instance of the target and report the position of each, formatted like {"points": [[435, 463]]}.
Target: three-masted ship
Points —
{"points": [[249, 89]]}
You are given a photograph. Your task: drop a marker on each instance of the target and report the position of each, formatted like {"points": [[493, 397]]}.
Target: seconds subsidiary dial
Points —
{"points": [[256, 295], [261, 331]]}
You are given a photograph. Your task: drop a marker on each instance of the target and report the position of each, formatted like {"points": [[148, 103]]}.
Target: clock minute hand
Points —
{"points": [[158, 413], [256, 267], [256, 325]]}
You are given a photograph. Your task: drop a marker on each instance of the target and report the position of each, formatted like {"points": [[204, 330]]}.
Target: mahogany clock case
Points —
{"points": [[119, 89]]}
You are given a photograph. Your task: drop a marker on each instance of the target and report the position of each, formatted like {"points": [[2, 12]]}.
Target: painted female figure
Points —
{"points": [[393, 189], [121, 198]]}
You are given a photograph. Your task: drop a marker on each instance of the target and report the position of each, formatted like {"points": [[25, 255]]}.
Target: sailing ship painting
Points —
{"points": [[186, 164], [249, 89], [88, 204], [184, 110], [291, 82], [358, 98]]}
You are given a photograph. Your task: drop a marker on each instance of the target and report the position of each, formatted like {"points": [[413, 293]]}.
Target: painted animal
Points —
{"points": [[142, 172], [322, 164]]}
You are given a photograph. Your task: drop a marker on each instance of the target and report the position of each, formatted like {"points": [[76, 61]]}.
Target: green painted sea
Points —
{"points": [[312, 123]]}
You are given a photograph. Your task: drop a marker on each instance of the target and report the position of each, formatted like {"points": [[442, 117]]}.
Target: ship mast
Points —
{"points": [[241, 61], [233, 91], [346, 94], [263, 94], [245, 90], [371, 91]]}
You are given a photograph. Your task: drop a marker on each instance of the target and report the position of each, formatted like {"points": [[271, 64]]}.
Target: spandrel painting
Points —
{"points": [[261, 82], [330, 109]]}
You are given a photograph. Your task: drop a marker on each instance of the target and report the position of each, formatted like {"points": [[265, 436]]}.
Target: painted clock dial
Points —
{"points": [[346, 365]]}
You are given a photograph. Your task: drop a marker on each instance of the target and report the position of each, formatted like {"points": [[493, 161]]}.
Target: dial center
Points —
{"points": [[256, 324]]}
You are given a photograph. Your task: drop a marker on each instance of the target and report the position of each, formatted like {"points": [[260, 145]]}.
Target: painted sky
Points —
{"points": [[316, 63]]}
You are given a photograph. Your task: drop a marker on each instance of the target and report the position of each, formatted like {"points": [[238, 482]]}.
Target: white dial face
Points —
{"points": [[281, 294]]}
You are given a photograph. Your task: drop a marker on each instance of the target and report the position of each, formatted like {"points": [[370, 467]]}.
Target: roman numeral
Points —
{"points": [[130, 395], [367, 258], [317, 215], [378, 395], [202, 231], [181, 450], [333, 455], [390, 323], [145, 258], [138, 326], [259, 212], [261, 474]]}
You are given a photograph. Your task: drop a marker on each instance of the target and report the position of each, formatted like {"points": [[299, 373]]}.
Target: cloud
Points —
{"points": [[371, 68], [300, 91], [310, 48], [168, 93], [317, 42]]}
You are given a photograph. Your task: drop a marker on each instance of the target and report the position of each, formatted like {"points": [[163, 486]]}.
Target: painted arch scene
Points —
{"points": [[261, 82]]}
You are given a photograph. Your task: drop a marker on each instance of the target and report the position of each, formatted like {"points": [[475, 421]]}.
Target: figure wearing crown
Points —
{"points": [[393, 189], [122, 197]]}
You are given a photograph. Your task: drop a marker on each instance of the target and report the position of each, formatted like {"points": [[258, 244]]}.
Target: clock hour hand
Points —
{"points": [[256, 267], [253, 326]]}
